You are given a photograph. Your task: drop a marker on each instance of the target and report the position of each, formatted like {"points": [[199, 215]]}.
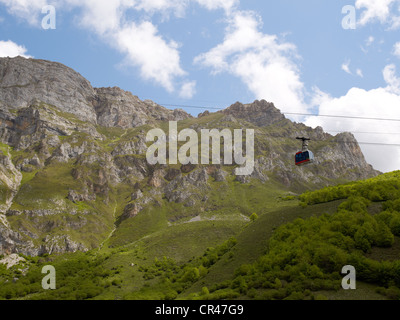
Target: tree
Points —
{"points": [[205, 291], [191, 275], [384, 237], [254, 217], [395, 225]]}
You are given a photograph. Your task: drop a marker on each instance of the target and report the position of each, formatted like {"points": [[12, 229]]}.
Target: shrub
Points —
{"points": [[392, 293], [171, 295], [203, 271], [295, 296], [191, 275], [395, 225], [254, 217], [384, 237], [303, 204], [205, 291]]}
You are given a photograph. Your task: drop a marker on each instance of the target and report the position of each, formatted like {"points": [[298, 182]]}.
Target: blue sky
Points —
{"points": [[213, 53]]}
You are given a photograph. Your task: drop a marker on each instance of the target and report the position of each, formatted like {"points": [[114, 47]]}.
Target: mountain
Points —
{"points": [[74, 175]]}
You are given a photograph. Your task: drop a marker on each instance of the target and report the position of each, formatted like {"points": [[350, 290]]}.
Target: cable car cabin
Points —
{"points": [[303, 158]]}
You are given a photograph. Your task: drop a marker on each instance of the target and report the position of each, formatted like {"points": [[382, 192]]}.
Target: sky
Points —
{"points": [[318, 57]]}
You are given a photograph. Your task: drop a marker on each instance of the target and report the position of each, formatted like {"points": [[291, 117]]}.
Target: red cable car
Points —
{"points": [[305, 156]]}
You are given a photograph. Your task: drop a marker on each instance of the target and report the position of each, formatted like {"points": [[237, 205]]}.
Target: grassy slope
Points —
{"points": [[150, 235], [253, 240], [180, 242], [183, 242]]}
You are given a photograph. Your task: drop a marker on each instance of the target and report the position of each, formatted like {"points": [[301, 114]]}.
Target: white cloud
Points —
{"points": [[389, 74], [319, 97], [11, 49], [381, 103], [28, 10], [395, 23], [188, 90], [383, 11], [370, 41], [177, 7], [396, 49], [99, 16], [227, 5], [374, 10], [260, 60], [144, 47], [346, 67]]}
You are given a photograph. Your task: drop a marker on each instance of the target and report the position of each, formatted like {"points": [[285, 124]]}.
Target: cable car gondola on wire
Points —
{"points": [[305, 156]]}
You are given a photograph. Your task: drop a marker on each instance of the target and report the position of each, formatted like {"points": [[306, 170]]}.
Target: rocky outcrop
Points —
{"points": [[183, 189], [217, 173], [118, 108], [75, 196], [24, 80], [10, 179], [60, 244], [131, 147], [12, 260], [12, 241], [260, 113]]}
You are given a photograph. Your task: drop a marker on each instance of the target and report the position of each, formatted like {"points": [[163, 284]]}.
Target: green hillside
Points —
{"points": [[291, 248]]}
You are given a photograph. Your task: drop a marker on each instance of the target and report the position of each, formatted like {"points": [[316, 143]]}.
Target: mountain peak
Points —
{"points": [[23, 81], [260, 112]]}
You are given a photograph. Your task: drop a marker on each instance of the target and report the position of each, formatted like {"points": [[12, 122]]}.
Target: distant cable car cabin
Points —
{"points": [[305, 156]]}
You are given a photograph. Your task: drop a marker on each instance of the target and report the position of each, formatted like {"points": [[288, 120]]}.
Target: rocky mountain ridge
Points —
{"points": [[23, 81], [73, 165]]}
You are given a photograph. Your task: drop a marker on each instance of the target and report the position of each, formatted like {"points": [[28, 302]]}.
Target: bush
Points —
{"points": [[191, 275], [252, 293], [205, 291], [203, 271], [303, 204], [240, 283], [254, 217], [295, 296], [243, 270], [392, 293], [384, 237], [355, 204], [171, 295], [395, 225], [116, 282]]}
